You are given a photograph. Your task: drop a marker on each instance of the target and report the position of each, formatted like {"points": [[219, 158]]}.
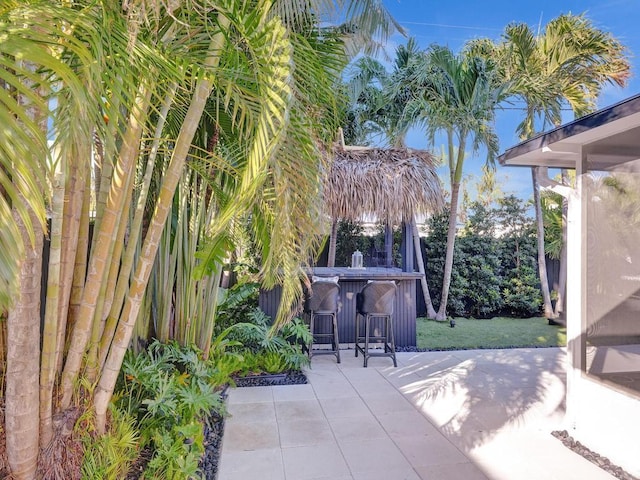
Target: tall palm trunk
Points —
{"points": [[72, 212], [134, 233], [456, 161], [431, 312], [80, 262], [23, 360], [448, 259], [100, 261], [144, 266], [105, 294], [562, 277], [51, 319], [542, 263]]}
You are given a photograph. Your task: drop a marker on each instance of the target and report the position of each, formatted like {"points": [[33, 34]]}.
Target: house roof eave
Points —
{"points": [[612, 132]]}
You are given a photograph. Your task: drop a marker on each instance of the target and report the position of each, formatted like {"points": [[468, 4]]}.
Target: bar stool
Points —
{"points": [[375, 302], [322, 301]]}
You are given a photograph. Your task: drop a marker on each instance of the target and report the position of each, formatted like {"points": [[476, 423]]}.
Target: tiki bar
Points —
{"points": [[392, 186]]}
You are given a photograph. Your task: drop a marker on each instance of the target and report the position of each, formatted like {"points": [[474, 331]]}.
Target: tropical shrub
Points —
{"points": [[246, 331], [167, 388], [521, 293], [237, 304], [495, 262], [260, 345], [479, 263]]}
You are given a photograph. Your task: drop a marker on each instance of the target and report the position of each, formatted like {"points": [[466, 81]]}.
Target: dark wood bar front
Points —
{"points": [[351, 281]]}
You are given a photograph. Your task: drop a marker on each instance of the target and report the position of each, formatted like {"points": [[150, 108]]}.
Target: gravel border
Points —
{"points": [[213, 431], [454, 349], [603, 462]]}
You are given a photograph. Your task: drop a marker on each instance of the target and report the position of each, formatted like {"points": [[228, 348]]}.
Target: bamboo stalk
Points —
{"points": [[80, 264], [51, 320], [108, 285], [102, 244], [74, 192], [135, 231], [109, 375]]}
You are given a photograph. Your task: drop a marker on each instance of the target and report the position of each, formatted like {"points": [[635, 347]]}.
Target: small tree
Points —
{"points": [[480, 262], [435, 249], [518, 252], [456, 95]]}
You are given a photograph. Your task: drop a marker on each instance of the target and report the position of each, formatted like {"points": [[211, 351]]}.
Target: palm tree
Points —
{"points": [[106, 82], [376, 108], [456, 95], [26, 90], [568, 63]]}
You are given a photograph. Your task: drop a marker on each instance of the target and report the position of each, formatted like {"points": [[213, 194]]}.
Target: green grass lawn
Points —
{"points": [[499, 332]]}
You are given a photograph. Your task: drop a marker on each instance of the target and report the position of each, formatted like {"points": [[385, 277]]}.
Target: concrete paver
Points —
{"points": [[472, 415]]}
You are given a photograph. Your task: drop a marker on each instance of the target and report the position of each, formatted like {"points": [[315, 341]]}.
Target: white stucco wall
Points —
{"points": [[604, 419], [607, 422]]}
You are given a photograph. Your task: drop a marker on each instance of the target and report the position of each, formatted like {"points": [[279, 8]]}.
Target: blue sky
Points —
{"points": [[456, 21]]}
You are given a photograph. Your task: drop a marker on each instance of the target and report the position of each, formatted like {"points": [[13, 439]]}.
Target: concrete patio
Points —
{"points": [[481, 414]]}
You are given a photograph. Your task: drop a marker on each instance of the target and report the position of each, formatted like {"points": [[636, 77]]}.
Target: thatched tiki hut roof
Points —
{"points": [[392, 184]]}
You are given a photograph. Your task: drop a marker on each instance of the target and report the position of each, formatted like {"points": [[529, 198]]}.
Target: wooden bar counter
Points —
{"points": [[351, 281]]}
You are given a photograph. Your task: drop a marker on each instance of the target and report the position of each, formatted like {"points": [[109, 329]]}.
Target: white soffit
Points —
{"points": [[608, 137]]}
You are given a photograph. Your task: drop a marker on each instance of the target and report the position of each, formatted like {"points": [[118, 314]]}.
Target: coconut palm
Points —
{"points": [[456, 95], [567, 63]]}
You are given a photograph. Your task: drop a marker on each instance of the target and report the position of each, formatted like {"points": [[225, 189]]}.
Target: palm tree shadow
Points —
{"points": [[471, 396]]}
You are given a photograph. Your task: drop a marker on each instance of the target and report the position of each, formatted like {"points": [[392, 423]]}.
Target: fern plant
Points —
{"points": [[110, 456]]}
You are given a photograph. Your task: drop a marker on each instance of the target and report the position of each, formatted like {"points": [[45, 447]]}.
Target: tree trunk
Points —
{"points": [[431, 312], [80, 262], [448, 261], [103, 240], [172, 176], [333, 238], [388, 246], [562, 280], [542, 264], [134, 233], [23, 361], [51, 319], [105, 294], [74, 197]]}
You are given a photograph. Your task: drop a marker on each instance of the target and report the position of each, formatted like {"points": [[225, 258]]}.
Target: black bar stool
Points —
{"points": [[375, 302], [322, 301]]}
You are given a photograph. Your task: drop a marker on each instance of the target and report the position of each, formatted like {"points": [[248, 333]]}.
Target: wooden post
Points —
{"points": [[407, 247], [331, 257], [388, 245]]}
